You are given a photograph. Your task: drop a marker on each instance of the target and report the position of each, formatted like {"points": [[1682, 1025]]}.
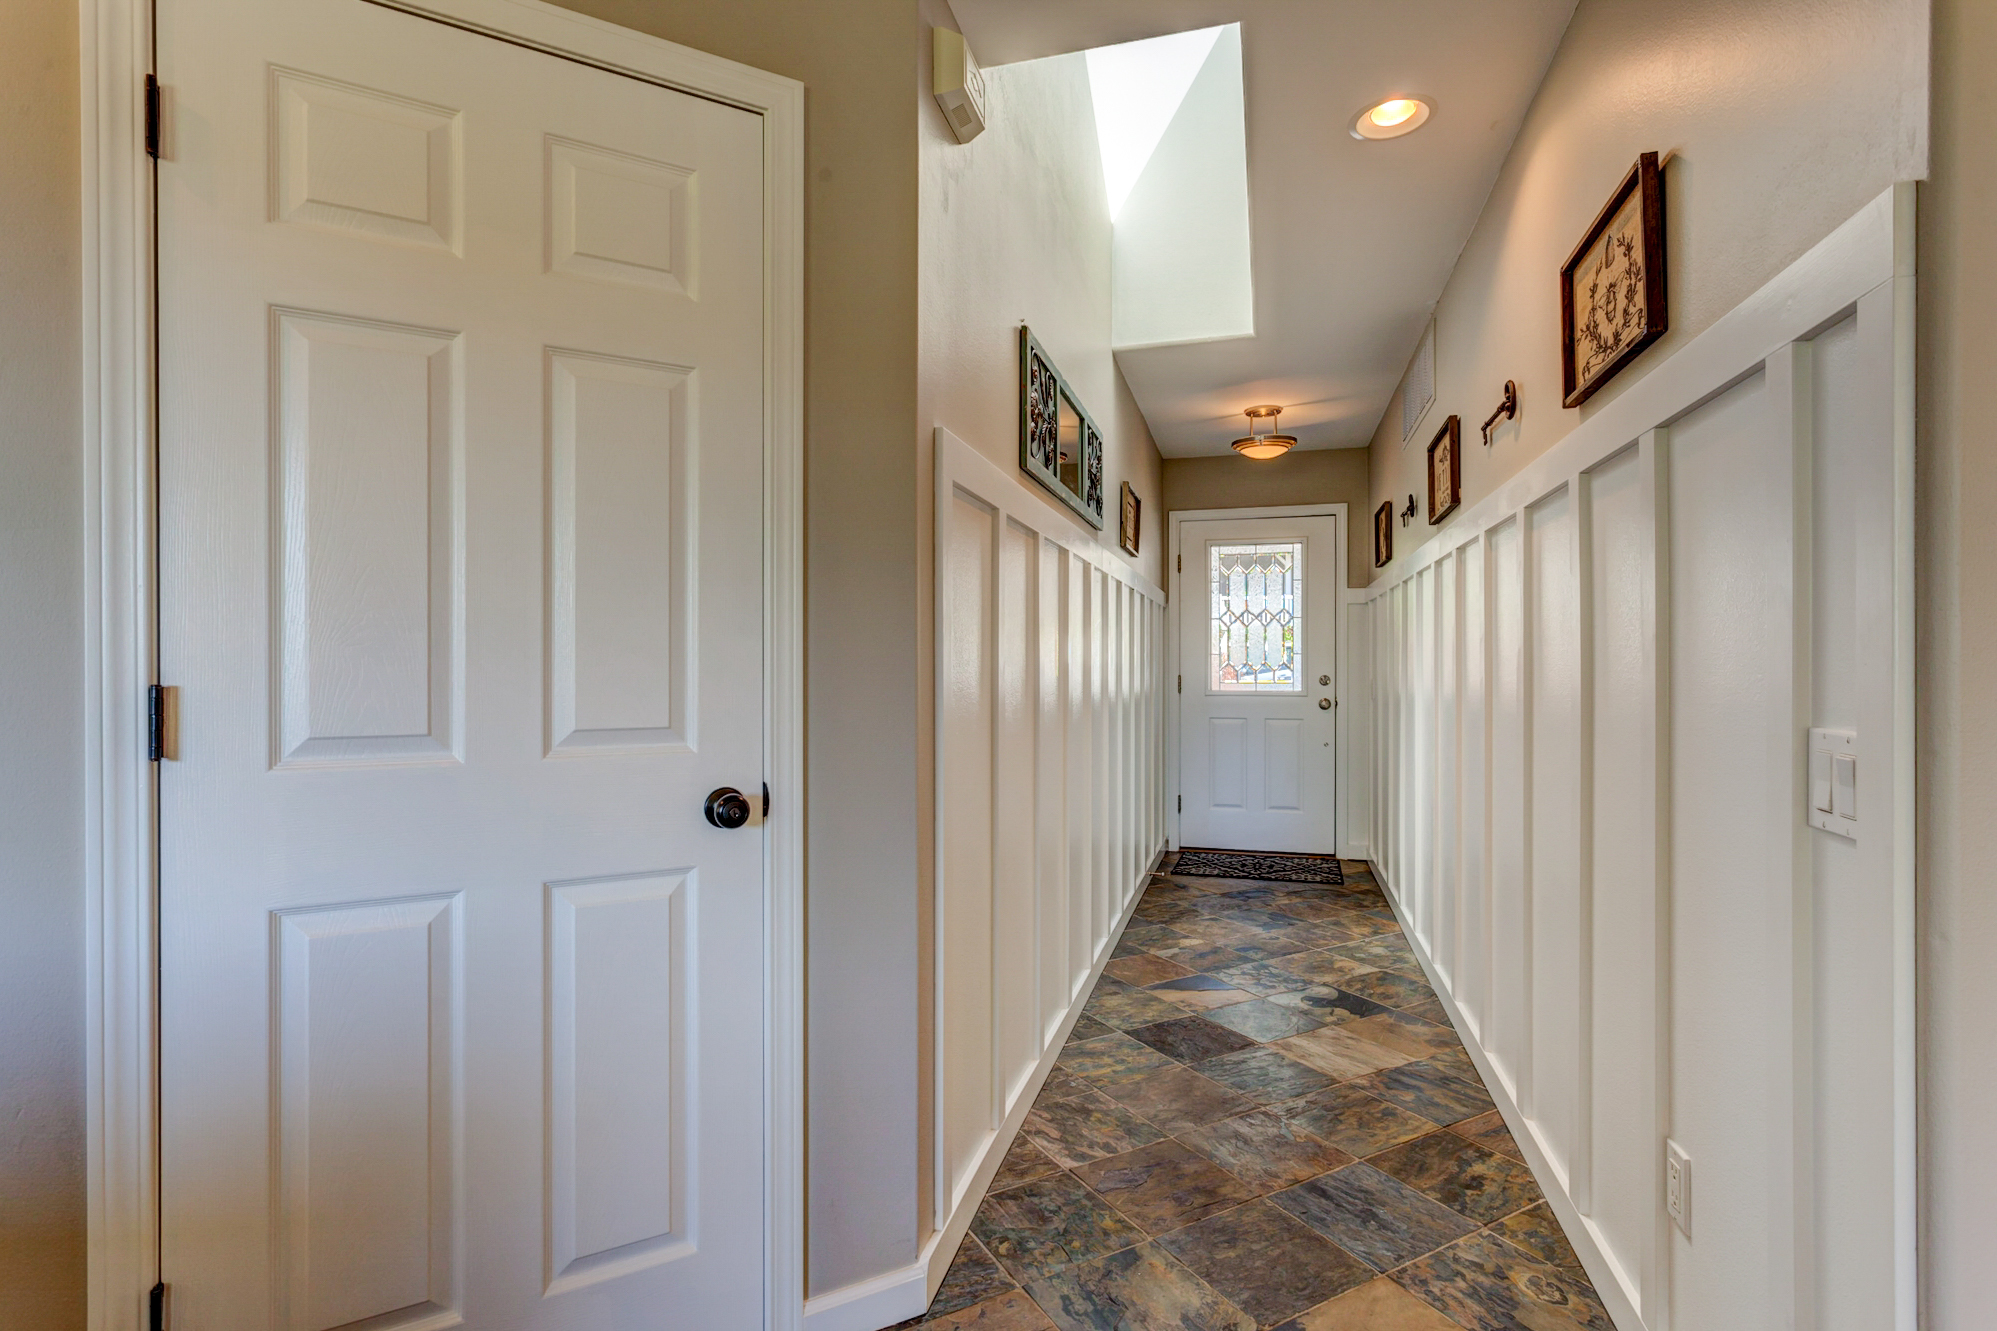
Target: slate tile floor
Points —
{"points": [[1263, 1120]]}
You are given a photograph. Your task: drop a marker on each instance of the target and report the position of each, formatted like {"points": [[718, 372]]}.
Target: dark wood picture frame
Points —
{"points": [[1383, 534], [1628, 332], [1130, 519], [1070, 468], [1451, 486]]}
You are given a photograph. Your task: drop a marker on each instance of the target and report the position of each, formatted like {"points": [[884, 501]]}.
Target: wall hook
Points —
{"points": [[1409, 511], [1508, 409]]}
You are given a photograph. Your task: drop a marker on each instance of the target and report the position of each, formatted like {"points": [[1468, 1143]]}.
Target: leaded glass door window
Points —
{"points": [[1255, 627]]}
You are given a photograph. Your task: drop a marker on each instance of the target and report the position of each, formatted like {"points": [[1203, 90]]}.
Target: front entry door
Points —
{"points": [[1258, 662], [461, 555]]}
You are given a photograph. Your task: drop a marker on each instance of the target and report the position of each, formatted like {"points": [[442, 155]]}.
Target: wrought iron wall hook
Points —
{"points": [[1408, 512], [1508, 409]]}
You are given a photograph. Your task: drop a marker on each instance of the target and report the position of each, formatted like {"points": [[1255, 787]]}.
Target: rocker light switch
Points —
{"points": [[1834, 782]]}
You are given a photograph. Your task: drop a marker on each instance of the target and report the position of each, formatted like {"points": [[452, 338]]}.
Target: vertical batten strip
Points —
{"points": [[1581, 1161], [1793, 1144], [1653, 469], [1528, 623]]}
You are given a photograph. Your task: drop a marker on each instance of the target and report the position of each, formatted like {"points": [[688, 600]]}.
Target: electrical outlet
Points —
{"points": [[1678, 1186]]}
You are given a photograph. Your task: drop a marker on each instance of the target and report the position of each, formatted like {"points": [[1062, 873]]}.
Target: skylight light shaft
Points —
{"points": [[1137, 88]]}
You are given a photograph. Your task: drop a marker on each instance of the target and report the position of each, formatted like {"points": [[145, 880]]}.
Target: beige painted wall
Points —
{"points": [[1956, 526], [41, 696], [1300, 476], [862, 548], [1781, 118]]}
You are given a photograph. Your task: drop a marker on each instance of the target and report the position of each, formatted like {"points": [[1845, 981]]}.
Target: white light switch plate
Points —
{"points": [[1833, 794]]}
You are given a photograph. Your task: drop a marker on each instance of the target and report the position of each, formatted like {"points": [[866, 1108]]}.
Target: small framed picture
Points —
{"points": [[1383, 534], [1127, 527], [1612, 289], [1445, 471]]}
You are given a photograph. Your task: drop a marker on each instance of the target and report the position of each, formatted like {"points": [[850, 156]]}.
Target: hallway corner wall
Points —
{"points": [[1589, 776], [1300, 476], [1776, 119], [1957, 485], [43, 520], [863, 612]]}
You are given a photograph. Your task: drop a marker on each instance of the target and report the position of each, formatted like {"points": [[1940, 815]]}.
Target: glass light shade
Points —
{"points": [[1264, 444]]}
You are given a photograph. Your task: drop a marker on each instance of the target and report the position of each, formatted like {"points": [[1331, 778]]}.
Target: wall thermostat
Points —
{"points": [[959, 85]]}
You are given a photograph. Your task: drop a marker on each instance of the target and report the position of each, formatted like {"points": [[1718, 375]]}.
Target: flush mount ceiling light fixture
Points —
{"points": [[1264, 443], [1392, 118]]}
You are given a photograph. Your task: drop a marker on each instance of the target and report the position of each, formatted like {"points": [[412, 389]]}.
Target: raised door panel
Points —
{"points": [[365, 162], [618, 455], [619, 1134], [1558, 909], [617, 217], [369, 605], [369, 1100]]}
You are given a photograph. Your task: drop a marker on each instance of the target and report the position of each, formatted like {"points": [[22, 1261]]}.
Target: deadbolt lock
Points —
{"points": [[1324, 681]]}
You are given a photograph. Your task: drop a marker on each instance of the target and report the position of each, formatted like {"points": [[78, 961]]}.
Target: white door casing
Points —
{"points": [[1257, 750], [465, 382]]}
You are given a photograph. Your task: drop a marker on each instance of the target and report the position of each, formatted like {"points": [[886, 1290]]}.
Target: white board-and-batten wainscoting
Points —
{"points": [[1591, 694]]}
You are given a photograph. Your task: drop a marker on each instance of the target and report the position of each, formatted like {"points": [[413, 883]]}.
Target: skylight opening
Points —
{"points": [[1137, 88]]}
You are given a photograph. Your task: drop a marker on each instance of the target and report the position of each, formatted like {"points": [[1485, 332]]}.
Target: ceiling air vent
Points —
{"points": [[1418, 389]]}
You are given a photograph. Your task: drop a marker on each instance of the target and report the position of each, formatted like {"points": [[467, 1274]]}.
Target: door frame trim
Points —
{"points": [[116, 44], [1176, 601]]}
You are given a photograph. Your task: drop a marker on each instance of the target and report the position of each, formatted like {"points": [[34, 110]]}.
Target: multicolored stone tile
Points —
{"points": [[1199, 992], [1535, 1230], [1430, 1009], [1335, 1005], [1486, 1284], [1123, 1006], [1087, 1028], [1014, 1311], [1164, 1186], [1179, 1098], [1142, 1289], [1424, 1089], [1151, 937], [1339, 1054], [1355, 1122], [1023, 1163], [1375, 1217], [1461, 1175], [1191, 1039], [1110, 1058], [1324, 968], [1390, 952], [1263, 1020], [1377, 1305], [1046, 1224], [1265, 1261], [1074, 1132], [1264, 1150], [1200, 955], [1411, 1035], [1489, 1131], [1260, 978], [1264, 1075], [973, 1277], [1395, 990], [1145, 969], [1458, 1065]]}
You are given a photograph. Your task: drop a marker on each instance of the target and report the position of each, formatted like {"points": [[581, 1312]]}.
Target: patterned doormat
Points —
{"points": [[1270, 865]]}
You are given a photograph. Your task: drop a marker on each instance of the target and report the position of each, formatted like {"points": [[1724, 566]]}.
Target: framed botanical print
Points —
{"points": [[1128, 524], [1612, 289], [1059, 444], [1445, 471], [1383, 534]]}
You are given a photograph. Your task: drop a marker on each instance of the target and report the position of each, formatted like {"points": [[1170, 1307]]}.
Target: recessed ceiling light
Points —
{"points": [[1267, 443], [1392, 118]]}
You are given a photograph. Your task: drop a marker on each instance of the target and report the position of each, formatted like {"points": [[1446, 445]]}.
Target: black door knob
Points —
{"points": [[728, 808]]}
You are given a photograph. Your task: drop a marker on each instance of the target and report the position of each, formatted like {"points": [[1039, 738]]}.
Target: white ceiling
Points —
{"points": [[1352, 240]]}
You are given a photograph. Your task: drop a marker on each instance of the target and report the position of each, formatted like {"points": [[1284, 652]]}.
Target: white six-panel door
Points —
{"points": [[1257, 685], [461, 500]]}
